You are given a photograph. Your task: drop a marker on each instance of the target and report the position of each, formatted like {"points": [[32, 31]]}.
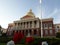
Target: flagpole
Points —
{"points": [[41, 19]]}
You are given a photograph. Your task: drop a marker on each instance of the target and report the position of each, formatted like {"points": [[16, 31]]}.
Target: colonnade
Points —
{"points": [[32, 32], [28, 24]]}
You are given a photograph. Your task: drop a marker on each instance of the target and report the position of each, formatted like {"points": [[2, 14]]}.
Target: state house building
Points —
{"points": [[32, 25]]}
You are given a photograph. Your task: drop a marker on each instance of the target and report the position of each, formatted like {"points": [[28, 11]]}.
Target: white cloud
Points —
{"points": [[54, 12], [56, 15], [38, 13]]}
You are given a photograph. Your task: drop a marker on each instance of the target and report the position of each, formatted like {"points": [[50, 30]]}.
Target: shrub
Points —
{"points": [[58, 34], [5, 39], [37, 41]]}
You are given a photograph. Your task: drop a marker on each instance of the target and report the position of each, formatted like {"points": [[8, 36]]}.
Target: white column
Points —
{"points": [[37, 24], [22, 25], [32, 32], [25, 25], [28, 24], [32, 24], [37, 32], [19, 26], [16, 26]]}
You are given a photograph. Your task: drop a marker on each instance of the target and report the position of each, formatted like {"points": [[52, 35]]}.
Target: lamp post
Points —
{"points": [[44, 42], [41, 18]]}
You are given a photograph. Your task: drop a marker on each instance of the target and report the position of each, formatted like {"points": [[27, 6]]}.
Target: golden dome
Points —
{"points": [[30, 13]]}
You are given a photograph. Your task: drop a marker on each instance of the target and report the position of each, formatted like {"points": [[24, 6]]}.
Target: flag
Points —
{"points": [[40, 1]]}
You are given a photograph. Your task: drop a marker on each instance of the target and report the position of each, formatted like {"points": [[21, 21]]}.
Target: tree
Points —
{"points": [[0, 28], [0, 31], [58, 34]]}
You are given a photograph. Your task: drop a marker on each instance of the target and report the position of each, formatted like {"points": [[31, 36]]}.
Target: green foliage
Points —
{"points": [[22, 41], [58, 34], [37, 41], [50, 41], [4, 35], [4, 39], [2, 43], [5, 44]]}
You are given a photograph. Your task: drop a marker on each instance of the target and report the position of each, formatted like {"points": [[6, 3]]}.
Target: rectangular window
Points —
{"points": [[50, 24], [51, 32], [46, 32], [45, 25]]}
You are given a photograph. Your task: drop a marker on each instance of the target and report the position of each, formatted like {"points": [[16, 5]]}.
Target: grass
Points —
{"points": [[2, 43], [5, 44]]}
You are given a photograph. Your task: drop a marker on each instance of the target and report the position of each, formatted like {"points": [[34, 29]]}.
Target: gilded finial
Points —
{"points": [[30, 10]]}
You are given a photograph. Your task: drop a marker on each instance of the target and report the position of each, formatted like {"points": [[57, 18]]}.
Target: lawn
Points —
{"points": [[2, 43]]}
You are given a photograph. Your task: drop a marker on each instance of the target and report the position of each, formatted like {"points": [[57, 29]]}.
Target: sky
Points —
{"points": [[11, 10]]}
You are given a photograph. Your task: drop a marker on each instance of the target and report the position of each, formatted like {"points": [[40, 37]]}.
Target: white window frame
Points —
{"points": [[51, 32]]}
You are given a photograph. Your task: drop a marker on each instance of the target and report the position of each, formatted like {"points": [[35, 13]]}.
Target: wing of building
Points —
{"points": [[31, 24], [57, 27]]}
